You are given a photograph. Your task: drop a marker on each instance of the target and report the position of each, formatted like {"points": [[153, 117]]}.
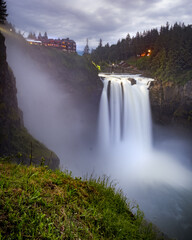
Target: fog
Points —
{"points": [[51, 114], [160, 180]]}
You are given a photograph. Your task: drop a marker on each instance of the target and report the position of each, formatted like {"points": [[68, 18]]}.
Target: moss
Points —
{"points": [[13, 114]]}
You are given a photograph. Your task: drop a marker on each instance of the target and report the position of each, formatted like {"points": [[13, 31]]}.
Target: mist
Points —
{"points": [[159, 179], [156, 171], [51, 114]]}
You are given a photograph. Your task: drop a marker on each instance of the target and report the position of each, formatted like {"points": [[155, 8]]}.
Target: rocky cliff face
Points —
{"points": [[171, 103], [14, 137], [10, 115]]}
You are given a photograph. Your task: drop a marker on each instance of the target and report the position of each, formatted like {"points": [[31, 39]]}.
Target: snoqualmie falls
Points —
{"points": [[149, 163], [154, 177]]}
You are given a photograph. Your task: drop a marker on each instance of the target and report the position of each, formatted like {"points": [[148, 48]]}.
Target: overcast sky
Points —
{"points": [[109, 20]]}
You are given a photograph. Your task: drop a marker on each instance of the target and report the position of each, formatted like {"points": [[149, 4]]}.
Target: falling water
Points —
{"points": [[125, 112], [157, 179]]}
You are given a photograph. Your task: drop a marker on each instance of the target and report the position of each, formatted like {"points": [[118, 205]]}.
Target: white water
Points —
{"points": [[125, 114], [157, 179]]}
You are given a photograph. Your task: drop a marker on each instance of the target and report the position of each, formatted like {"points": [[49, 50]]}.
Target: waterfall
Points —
{"points": [[125, 134], [124, 116], [153, 175]]}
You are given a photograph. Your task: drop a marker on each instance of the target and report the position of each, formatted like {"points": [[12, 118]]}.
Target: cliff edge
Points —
{"points": [[14, 138]]}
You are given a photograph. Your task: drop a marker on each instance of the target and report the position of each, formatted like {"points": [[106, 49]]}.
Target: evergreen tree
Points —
{"points": [[3, 12], [100, 43], [170, 55], [39, 36], [32, 36], [86, 49], [45, 37]]}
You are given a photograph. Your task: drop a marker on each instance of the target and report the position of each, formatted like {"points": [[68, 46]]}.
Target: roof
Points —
{"points": [[32, 40]]}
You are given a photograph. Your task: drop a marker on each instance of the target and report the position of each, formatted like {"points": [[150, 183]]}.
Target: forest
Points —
{"points": [[165, 53]]}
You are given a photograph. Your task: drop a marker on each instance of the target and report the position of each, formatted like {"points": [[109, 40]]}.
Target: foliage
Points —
{"points": [[76, 72], [86, 49], [97, 66], [3, 11], [25, 149], [37, 203], [171, 52]]}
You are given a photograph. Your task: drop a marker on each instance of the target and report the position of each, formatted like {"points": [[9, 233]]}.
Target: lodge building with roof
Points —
{"points": [[66, 45]]}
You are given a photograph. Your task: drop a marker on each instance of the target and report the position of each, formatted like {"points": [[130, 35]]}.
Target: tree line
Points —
{"points": [[40, 37], [3, 12], [170, 57]]}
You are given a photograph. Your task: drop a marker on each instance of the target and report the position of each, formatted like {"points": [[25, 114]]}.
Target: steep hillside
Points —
{"points": [[14, 138], [37, 203], [74, 72], [70, 88]]}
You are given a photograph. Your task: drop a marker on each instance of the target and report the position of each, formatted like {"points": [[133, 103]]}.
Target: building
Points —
{"points": [[34, 42], [66, 45]]}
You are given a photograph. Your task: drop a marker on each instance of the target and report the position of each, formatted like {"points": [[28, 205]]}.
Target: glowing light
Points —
{"points": [[148, 52]]}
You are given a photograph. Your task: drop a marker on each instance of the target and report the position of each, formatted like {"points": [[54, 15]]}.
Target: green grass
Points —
{"points": [[164, 74], [38, 203], [21, 147]]}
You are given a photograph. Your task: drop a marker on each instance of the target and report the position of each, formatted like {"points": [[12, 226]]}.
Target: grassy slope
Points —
{"points": [[25, 148], [165, 75], [37, 203]]}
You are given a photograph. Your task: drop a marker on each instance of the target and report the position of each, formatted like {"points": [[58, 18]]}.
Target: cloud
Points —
{"points": [[107, 19]]}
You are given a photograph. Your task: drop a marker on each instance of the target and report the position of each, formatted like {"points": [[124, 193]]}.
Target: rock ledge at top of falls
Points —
{"points": [[132, 80], [171, 103]]}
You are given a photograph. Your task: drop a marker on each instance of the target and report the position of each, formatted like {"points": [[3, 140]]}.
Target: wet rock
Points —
{"points": [[132, 80], [171, 103]]}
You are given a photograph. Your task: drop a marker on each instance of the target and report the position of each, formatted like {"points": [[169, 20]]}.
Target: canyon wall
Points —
{"points": [[15, 141], [171, 103]]}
